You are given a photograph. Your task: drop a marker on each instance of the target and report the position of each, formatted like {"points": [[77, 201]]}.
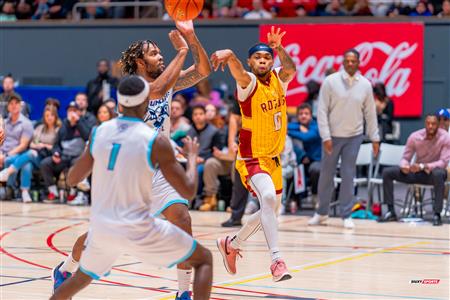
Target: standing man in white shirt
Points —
{"points": [[345, 102]]}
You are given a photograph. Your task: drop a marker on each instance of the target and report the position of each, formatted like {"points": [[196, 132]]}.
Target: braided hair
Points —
{"points": [[135, 50]]}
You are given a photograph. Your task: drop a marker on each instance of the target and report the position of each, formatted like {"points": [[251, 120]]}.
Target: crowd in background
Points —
{"points": [[36, 154], [12, 10]]}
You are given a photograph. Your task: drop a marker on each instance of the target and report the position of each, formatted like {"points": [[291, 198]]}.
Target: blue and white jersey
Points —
{"points": [[158, 113], [122, 173]]}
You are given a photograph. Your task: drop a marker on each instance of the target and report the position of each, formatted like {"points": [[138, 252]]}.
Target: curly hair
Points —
{"points": [[129, 56]]}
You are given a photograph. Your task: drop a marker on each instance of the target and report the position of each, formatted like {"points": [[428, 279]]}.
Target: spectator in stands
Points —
{"points": [[345, 104], [258, 12], [96, 12], [361, 8], [431, 148], [239, 192], [8, 11], [380, 8], [19, 131], [8, 91], [242, 7], [104, 114], [179, 124], [213, 117], [87, 119], [69, 144], [443, 116], [333, 9], [385, 109], [313, 88], [209, 137], [53, 102], [445, 13], [284, 8], [25, 9], [41, 146], [112, 105], [99, 89], [48, 9], [300, 11], [307, 144], [421, 10]]}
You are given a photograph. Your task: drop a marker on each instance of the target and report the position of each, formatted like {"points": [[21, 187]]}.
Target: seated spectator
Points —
{"points": [[258, 12], [69, 145], [445, 13], [431, 147], [361, 8], [8, 90], [333, 9], [300, 11], [19, 131], [288, 164], [284, 8], [8, 11], [87, 119], [48, 9], [421, 10], [53, 102], [41, 146], [99, 89], [209, 137], [444, 119], [212, 116], [179, 124], [385, 109], [25, 9], [104, 114], [241, 7], [380, 8], [307, 144], [112, 105]]}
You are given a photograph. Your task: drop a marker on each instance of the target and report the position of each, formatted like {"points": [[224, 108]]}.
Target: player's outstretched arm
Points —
{"points": [[184, 182], [82, 167], [201, 67], [167, 79], [222, 58], [274, 38]]}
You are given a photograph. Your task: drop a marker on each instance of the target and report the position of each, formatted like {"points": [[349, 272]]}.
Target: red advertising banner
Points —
{"points": [[391, 53]]}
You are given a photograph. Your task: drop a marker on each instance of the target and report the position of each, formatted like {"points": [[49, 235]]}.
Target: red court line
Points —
{"points": [[53, 247]]}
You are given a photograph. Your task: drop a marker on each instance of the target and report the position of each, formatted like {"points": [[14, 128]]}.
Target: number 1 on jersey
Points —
{"points": [[277, 120], [113, 156]]}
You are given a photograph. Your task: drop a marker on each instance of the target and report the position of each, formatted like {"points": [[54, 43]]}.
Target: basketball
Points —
{"points": [[183, 10]]}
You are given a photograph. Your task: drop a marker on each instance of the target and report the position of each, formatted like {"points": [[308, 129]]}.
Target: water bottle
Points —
{"points": [[221, 205]]}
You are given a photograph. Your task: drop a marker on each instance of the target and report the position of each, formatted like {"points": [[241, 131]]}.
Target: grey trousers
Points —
{"points": [[347, 149]]}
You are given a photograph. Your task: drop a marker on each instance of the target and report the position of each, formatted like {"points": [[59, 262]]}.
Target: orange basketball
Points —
{"points": [[183, 10]]}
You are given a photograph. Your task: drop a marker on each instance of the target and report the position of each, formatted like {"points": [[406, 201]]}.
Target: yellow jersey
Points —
{"points": [[264, 119]]}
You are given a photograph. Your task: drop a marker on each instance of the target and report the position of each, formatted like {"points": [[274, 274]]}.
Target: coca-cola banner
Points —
{"points": [[390, 53]]}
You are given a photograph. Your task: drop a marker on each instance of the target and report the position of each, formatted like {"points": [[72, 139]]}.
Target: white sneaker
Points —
{"points": [[4, 175], [348, 223], [84, 185], [317, 220], [26, 198], [80, 199]]}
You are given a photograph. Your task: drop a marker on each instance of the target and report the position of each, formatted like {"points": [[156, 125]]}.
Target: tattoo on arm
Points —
{"points": [[195, 53], [188, 80], [288, 64]]}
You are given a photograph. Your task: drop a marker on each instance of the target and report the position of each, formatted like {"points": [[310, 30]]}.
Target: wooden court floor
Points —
{"points": [[374, 261]]}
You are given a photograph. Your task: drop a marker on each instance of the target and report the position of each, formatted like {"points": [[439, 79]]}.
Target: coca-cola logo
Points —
{"points": [[391, 72]]}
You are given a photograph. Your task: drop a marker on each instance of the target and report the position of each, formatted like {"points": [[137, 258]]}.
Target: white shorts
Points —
{"points": [[155, 242], [164, 195]]}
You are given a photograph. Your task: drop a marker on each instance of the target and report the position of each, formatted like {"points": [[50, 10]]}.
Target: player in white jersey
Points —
{"points": [[144, 58], [122, 156]]}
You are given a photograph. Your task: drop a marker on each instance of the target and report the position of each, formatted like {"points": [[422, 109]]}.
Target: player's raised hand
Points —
{"points": [[185, 27], [274, 37], [177, 40], [220, 59], [191, 146]]}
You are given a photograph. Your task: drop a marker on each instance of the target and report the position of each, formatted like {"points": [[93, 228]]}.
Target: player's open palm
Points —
{"points": [[185, 27], [220, 58], [274, 37], [177, 40], [191, 146]]}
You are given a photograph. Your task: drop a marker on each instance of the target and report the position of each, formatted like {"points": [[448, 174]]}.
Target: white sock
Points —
{"points": [[184, 280], [69, 265], [73, 191], [263, 185], [275, 254], [52, 189]]}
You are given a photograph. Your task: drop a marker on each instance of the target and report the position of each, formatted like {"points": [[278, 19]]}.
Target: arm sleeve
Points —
{"points": [[323, 110], [243, 93]]}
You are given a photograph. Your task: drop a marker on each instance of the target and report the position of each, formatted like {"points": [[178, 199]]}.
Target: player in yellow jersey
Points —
{"points": [[262, 98]]}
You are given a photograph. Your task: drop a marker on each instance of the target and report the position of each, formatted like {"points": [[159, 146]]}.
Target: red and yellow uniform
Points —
{"points": [[263, 132]]}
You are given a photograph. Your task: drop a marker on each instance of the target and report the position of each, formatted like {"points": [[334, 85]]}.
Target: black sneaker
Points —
{"points": [[437, 220], [231, 223], [390, 216]]}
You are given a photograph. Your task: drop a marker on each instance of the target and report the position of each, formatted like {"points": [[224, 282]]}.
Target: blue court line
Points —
{"points": [[337, 292], [24, 281]]}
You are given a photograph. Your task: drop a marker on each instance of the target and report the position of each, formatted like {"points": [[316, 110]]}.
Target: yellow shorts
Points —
{"points": [[271, 166]]}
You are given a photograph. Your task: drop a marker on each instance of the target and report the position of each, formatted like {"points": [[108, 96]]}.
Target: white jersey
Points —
{"points": [[122, 174], [158, 113]]}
